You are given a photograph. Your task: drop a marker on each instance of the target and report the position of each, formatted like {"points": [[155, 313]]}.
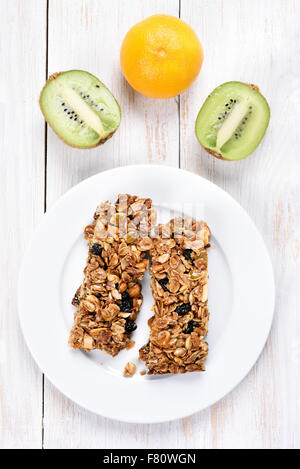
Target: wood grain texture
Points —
{"points": [[91, 32], [256, 42], [22, 65]]}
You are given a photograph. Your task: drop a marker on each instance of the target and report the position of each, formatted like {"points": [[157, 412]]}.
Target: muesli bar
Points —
{"points": [[179, 287], [109, 299]]}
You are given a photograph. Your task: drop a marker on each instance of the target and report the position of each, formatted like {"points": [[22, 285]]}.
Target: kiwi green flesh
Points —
{"points": [[79, 108], [232, 121]]}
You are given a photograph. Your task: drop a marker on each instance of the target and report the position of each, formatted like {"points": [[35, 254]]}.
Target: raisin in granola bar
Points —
{"points": [[179, 287], [109, 299]]}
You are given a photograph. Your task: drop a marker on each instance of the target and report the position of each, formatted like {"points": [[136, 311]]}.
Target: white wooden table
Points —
{"points": [[256, 41]]}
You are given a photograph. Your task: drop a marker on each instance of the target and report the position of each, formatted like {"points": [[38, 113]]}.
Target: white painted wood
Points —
{"points": [[255, 41], [87, 34], [22, 65]]}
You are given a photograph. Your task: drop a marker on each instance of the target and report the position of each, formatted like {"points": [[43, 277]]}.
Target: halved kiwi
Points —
{"points": [[233, 120], [79, 108]]}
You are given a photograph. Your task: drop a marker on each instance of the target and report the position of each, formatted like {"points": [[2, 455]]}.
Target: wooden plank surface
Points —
{"points": [[92, 32], [256, 42], [22, 65]]}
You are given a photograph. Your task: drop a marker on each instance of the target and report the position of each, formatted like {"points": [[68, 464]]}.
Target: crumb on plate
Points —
{"points": [[129, 369]]}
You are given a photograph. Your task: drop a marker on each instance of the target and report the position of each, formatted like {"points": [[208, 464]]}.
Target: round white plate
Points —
{"points": [[241, 298]]}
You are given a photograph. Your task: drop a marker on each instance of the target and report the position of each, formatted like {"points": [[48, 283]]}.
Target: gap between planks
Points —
{"points": [[45, 197], [179, 104]]}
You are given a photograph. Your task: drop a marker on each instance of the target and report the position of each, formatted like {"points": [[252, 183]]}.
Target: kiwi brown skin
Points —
{"points": [[214, 153], [101, 142]]}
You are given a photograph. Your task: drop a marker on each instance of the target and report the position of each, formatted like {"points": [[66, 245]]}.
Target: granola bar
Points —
{"points": [[109, 299], [179, 287]]}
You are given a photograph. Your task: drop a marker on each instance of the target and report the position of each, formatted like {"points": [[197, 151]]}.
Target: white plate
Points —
{"points": [[241, 299]]}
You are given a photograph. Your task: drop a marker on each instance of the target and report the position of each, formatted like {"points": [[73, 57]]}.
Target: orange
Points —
{"points": [[161, 56]]}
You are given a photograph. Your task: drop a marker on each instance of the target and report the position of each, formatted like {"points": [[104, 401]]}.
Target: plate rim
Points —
{"points": [[44, 218]]}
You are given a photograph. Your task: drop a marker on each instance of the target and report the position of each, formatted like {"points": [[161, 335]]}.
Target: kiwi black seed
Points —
{"points": [[232, 121], [79, 108]]}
